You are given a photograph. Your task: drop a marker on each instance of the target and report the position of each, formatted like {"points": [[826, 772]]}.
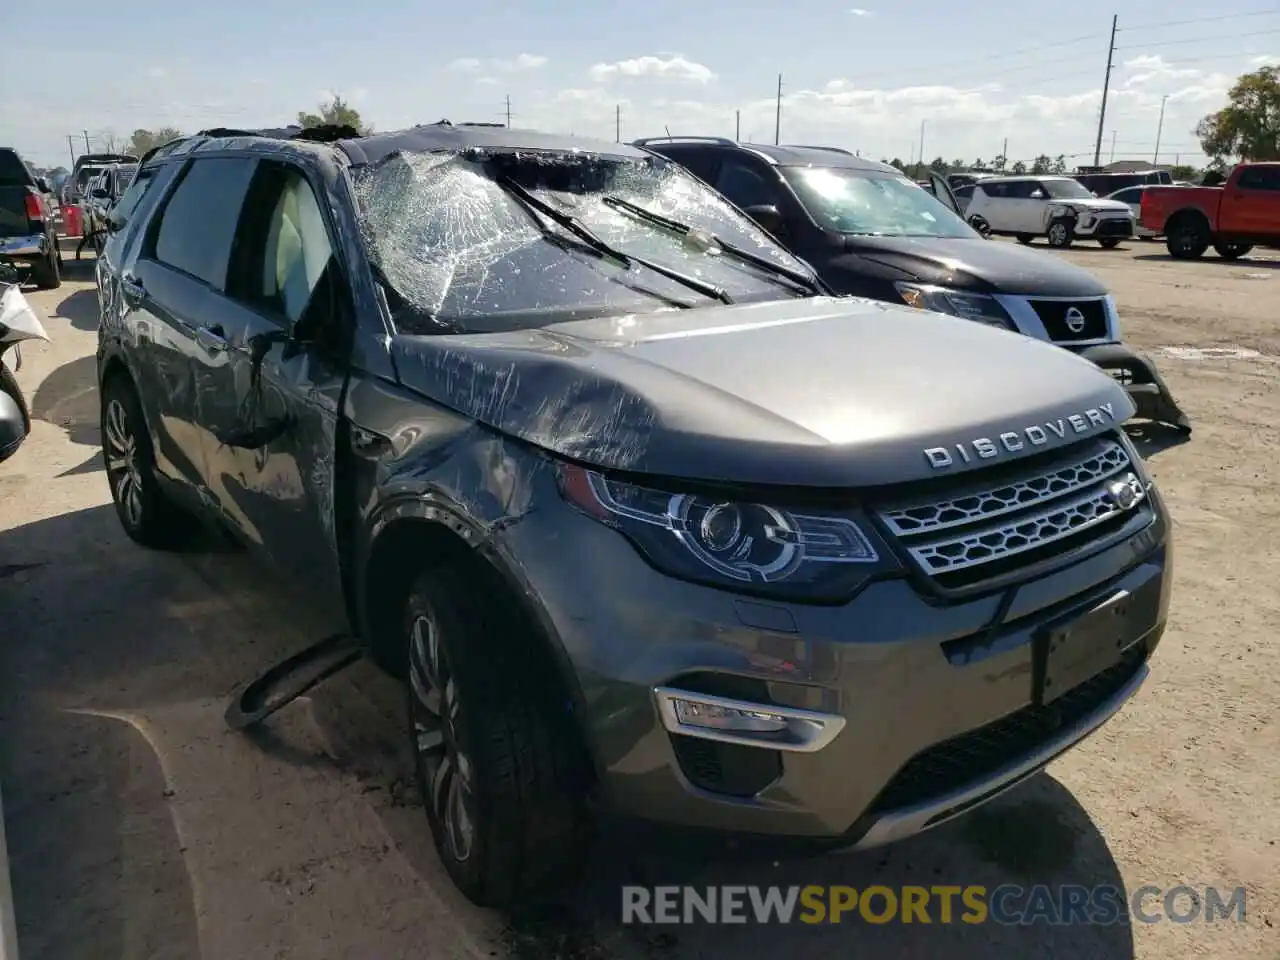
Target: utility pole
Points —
{"points": [[777, 119], [1106, 87], [1159, 130], [508, 111], [617, 123], [1004, 152], [1112, 159], [921, 160], [71, 150], [737, 125], [86, 140]]}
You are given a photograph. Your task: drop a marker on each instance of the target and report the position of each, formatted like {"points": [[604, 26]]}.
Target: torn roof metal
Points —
{"points": [[445, 136]]}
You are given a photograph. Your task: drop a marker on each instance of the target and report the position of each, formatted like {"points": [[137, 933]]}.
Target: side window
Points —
{"points": [[287, 248], [1259, 178], [744, 186], [198, 224], [993, 191], [1132, 195], [700, 162], [1025, 190], [132, 197]]}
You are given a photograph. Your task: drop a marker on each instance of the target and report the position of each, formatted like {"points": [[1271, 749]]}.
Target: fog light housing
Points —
{"points": [[744, 722]]}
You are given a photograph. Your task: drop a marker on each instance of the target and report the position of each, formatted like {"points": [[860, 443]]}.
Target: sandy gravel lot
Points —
{"points": [[139, 827]]}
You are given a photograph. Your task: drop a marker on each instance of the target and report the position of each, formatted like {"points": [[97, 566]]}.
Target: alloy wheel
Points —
{"points": [[120, 448], [1057, 234], [446, 770]]}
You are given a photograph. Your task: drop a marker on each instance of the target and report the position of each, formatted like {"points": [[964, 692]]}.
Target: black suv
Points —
{"points": [[869, 231], [649, 525]]}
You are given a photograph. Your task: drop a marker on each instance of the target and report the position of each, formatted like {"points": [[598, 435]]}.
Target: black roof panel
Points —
{"points": [[444, 136], [816, 156]]}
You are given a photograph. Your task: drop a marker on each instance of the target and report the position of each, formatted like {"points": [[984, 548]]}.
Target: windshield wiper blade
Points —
{"points": [[583, 233], [776, 270]]}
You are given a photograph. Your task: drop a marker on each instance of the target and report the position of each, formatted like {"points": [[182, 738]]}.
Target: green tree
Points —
{"points": [[979, 164], [1041, 164], [1059, 164], [957, 164], [1184, 171], [1019, 167], [999, 162], [939, 165], [1248, 127], [336, 111], [897, 162], [144, 140]]}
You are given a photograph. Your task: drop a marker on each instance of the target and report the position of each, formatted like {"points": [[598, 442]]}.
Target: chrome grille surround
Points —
{"points": [[984, 522]]}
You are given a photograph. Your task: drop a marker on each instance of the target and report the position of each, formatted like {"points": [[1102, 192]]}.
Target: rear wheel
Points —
{"points": [[498, 766], [46, 273], [147, 515], [1025, 238], [1187, 238], [1109, 244], [1232, 251]]}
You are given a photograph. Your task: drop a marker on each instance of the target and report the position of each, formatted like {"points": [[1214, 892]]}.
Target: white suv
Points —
{"points": [[1058, 208]]}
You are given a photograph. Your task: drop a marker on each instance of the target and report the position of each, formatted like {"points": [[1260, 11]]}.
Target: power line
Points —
{"points": [[1161, 24], [1234, 36]]}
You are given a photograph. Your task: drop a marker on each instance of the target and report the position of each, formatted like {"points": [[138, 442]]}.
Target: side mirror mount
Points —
{"points": [[767, 216]]}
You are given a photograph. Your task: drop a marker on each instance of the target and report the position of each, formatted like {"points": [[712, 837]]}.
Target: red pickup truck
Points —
{"points": [[1232, 218]]}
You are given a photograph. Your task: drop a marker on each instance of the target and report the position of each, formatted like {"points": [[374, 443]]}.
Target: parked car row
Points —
{"points": [[582, 441]]}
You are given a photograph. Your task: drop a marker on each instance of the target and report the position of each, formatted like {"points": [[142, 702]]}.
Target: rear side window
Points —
{"points": [[1259, 178], [198, 224], [122, 212], [13, 172], [996, 191]]}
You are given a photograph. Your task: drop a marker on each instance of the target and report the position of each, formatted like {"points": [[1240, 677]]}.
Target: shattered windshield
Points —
{"points": [[462, 254]]}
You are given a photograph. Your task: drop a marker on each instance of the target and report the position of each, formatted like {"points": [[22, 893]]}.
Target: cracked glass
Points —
{"points": [[461, 254]]}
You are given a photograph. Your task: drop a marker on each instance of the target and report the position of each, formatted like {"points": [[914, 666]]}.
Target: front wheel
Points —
{"points": [[497, 761], [1109, 244], [1232, 251], [1025, 239], [1060, 235], [981, 225], [9, 385]]}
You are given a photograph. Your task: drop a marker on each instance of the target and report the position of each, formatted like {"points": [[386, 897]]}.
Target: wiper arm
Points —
{"points": [[583, 233], [777, 270]]}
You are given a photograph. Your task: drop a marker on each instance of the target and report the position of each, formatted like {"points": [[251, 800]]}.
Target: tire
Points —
{"points": [[1232, 251], [1025, 238], [1059, 235], [147, 515], [1109, 244], [46, 273], [524, 830], [980, 224], [1187, 238], [9, 385]]}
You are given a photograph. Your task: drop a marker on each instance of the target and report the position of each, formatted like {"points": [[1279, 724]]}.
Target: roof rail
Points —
{"points": [[810, 146], [482, 123], [721, 141]]}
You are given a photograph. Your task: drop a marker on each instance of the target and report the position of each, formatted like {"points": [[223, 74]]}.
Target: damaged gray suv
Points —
{"points": [[653, 528]]}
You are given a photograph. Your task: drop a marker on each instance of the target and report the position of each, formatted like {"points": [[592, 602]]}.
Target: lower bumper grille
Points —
{"points": [[962, 761], [1115, 227]]}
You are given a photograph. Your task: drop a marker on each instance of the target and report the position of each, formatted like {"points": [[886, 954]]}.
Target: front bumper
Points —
{"points": [[1105, 228], [1141, 380], [24, 247], [931, 703]]}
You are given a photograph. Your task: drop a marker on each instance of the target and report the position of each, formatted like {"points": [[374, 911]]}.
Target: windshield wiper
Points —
{"points": [[583, 233], [775, 270]]}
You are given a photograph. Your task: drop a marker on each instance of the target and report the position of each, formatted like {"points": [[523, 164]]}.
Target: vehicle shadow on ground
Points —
{"points": [[1037, 834], [1250, 262], [1154, 438], [68, 398], [80, 308], [79, 270]]}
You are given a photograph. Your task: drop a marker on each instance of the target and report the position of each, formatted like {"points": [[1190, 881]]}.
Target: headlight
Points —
{"points": [[749, 547], [968, 306]]}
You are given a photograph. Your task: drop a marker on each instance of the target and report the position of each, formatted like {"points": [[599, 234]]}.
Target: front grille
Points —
{"points": [[1115, 227], [987, 528], [1088, 323], [972, 757]]}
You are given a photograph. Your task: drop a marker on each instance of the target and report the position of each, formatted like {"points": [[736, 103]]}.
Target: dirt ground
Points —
{"points": [[140, 827]]}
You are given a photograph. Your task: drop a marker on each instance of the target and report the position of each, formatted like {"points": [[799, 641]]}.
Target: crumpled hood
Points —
{"points": [[976, 265], [826, 392]]}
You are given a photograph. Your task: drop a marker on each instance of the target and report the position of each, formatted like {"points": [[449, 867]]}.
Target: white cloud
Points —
{"points": [[520, 62], [860, 12], [670, 67], [486, 81], [157, 73]]}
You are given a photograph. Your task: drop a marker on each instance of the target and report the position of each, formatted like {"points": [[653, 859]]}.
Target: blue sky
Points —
{"points": [[859, 77]]}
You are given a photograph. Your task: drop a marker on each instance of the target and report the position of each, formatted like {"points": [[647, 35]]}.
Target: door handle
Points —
{"points": [[212, 338], [132, 287]]}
